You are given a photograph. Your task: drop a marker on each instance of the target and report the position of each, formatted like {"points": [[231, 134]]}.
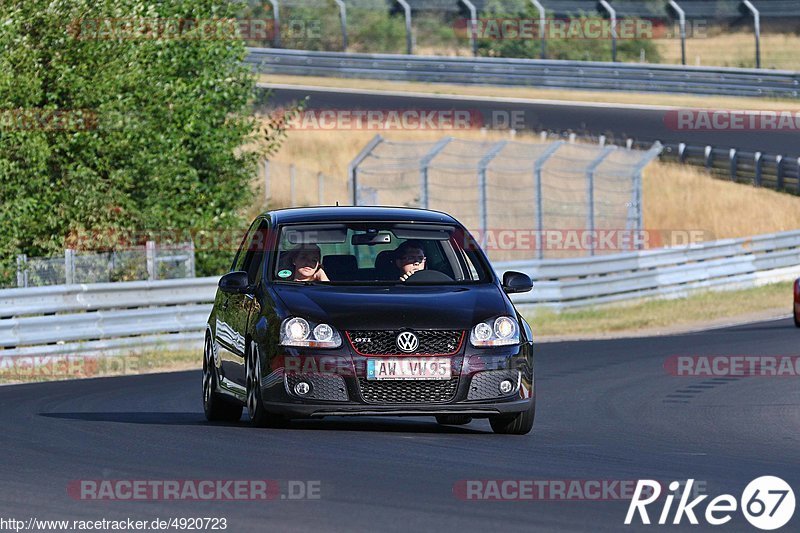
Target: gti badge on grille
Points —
{"points": [[407, 342]]}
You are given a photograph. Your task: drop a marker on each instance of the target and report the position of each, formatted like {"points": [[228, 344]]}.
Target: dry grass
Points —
{"points": [[778, 50], [58, 368], [658, 315], [611, 97], [678, 197]]}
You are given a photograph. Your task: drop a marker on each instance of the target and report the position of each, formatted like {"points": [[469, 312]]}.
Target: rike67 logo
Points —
{"points": [[767, 503]]}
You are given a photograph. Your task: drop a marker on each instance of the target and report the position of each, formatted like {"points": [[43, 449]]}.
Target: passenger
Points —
{"points": [[305, 262], [409, 258]]}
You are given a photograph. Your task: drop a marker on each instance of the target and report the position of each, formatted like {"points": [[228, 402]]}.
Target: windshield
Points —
{"points": [[378, 253]]}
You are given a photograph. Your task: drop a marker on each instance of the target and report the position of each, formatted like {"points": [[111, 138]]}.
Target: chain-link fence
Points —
{"points": [[148, 262], [523, 200], [289, 185]]}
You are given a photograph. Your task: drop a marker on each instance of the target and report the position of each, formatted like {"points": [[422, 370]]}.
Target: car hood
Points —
{"points": [[396, 306]]}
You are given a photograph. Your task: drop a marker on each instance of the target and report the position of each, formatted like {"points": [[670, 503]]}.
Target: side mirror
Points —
{"points": [[514, 282], [234, 283]]}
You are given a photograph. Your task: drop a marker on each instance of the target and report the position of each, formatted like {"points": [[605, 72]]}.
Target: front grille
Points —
{"points": [[383, 342], [323, 386], [486, 385], [408, 391]]}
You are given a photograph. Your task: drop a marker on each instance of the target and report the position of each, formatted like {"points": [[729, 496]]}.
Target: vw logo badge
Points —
{"points": [[407, 341]]}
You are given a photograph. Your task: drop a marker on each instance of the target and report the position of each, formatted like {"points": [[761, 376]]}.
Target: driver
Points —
{"points": [[306, 264], [409, 258]]}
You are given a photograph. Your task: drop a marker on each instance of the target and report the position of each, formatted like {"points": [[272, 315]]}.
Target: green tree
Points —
{"points": [[567, 48], [167, 139]]}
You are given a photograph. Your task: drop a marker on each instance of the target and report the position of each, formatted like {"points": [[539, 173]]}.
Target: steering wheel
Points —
{"points": [[428, 276]]}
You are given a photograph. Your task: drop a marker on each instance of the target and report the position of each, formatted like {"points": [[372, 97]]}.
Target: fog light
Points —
{"points": [[506, 386], [302, 388]]}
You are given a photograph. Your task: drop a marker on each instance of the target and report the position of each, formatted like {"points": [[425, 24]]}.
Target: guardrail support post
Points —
{"points": [[757, 29], [352, 168], [757, 163], [681, 152], [542, 26], [590, 170], [473, 21], [22, 270], [409, 38], [424, 163], [779, 172], [682, 25], [150, 256], [276, 24], [733, 159], [343, 19], [69, 266], [709, 153], [537, 174], [612, 13]]}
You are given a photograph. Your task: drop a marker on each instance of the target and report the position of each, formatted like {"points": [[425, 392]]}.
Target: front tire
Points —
{"points": [[519, 424], [216, 408], [255, 402], [797, 318]]}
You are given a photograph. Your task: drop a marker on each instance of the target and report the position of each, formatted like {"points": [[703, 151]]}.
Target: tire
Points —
{"points": [[453, 420], [258, 414], [519, 424], [215, 407], [797, 318]]}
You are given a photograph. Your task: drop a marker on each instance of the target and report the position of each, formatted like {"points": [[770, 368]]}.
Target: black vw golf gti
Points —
{"points": [[332, 311]]}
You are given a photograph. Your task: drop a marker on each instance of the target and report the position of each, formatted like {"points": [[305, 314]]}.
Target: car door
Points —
{"points": [[236, 308], [230, 345]]}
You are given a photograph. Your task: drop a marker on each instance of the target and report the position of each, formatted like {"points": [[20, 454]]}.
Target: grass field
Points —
{"points": [[55, 368], [778, 50], [663, 316]]}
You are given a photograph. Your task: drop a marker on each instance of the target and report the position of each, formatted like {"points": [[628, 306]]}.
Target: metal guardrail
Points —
{"points": [[70, 319], [663, 273], [67, 319], [530, 72]]}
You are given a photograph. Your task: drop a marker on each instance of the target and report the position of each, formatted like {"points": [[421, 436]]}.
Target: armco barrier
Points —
{"points": [[69, 319], [530, 72]]}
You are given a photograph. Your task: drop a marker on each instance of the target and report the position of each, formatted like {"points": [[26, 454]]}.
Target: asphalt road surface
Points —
{"points": [[644, 124], [607, 410]]}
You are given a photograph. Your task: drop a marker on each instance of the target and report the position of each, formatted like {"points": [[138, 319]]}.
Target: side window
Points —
{"points": [[256, 251], [238, 260]]}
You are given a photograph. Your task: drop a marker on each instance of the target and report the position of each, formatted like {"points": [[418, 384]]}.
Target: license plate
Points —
{"points": [[408, 368]]}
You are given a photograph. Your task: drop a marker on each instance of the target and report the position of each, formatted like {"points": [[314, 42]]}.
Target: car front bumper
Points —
{"points": [[339, 386]]}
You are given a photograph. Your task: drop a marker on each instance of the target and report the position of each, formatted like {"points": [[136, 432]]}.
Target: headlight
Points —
{"points": [[297, 331], [502, 331]]}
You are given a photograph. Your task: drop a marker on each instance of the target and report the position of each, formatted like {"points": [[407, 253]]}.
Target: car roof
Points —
{"points": [[357, 214]]}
